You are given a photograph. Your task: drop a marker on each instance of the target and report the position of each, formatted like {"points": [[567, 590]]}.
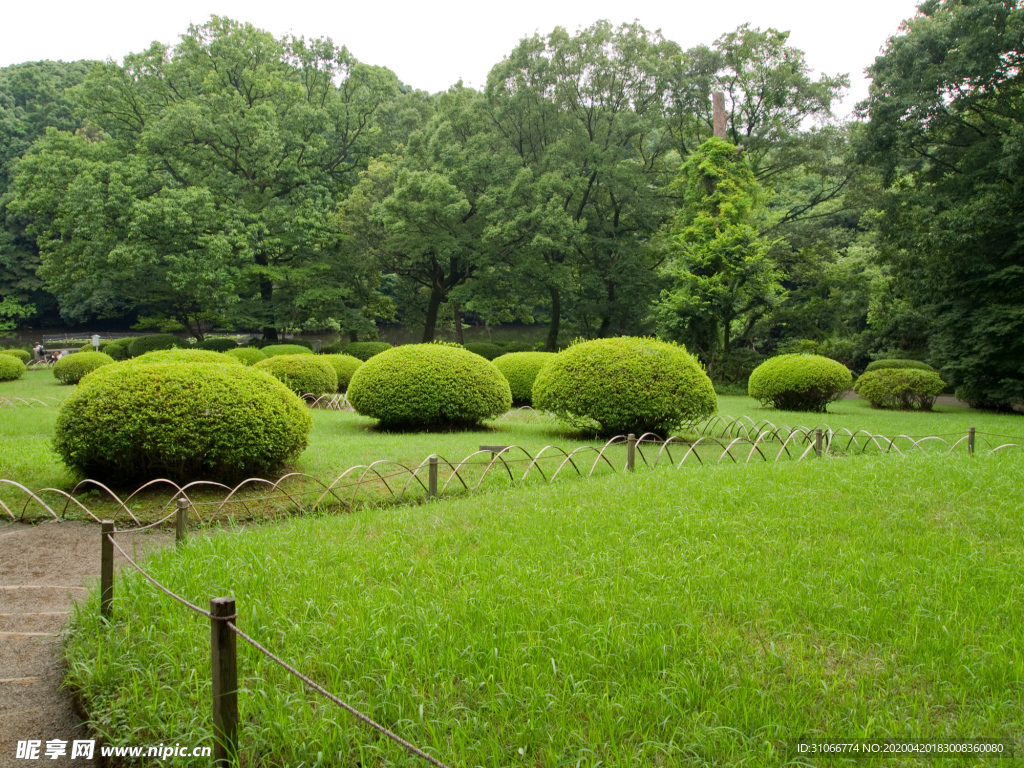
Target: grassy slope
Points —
{"points": [[711, 616]]}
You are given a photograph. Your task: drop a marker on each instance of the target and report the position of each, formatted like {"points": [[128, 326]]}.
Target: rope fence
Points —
{"points": [[224, 658]]}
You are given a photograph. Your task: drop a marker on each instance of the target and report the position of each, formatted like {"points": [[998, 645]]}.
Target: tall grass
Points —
{"points": [[688, 618]]}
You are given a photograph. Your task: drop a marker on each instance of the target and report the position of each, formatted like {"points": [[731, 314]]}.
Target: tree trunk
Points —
{"points": [[266, 293], [457, 312], [556, 318], [353, 336], [437, 295]]}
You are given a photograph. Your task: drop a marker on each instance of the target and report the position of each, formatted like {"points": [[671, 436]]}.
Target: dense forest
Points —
{"points": [[240, 181]]}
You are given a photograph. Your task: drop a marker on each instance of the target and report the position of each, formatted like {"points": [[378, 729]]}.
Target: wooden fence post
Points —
{"points": [[106, 568], [224, 663], [817, 442], [432, 478], [180, 520], [631, 453], [970, 441]]}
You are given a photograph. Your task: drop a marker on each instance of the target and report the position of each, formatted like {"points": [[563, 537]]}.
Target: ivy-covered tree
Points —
{"points": [[718, 262]]}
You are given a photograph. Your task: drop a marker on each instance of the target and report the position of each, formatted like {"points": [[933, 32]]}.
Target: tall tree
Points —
{"points": [[257, 137], [427, 215], [946, 127], [718, 261], [584, 114], [33, 97]]}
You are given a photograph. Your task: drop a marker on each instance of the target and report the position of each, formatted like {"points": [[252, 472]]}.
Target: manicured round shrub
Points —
{"points": [[303, 374], [344, 366], [905, 388], [185, 422], [21, 354], [71, 368], [364, 350], [273, 350], [878, 365], [799, 382], [11, 368], [520, 369], [217, 345], [248, 355], [154, 341], [87, 347], [428, 386], [117, 349], [485, 349], [622, 385], [187, 356]]}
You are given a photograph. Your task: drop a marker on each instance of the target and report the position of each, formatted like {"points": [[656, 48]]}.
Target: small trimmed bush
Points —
{"points": [[905, 388], [273, 350], [181, 421], [71, 368], [187, 356], [878, 365], [344, 366], [217, 345], [303, 374], [617, 386], [520, 369], [153, 342], [799, 382], [485, 349], [364, 350], [21, 354], [11, 368], [429, 386], [247, 355], [117, 349]]}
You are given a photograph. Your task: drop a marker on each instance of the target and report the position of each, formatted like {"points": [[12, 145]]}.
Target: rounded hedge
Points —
{"points": [[21, 354], [364, 350], [117, 349], [516, 346], [485, 349], [153, 342], [798, 382], [179, 421], [247, 355], [344, 367], [303, 374], [217, 345], [273, 350], [429, 385], [71, 368], [905, 388], [11, 368], [878, 365], [187, 356], [622, 385], [520, 369]]}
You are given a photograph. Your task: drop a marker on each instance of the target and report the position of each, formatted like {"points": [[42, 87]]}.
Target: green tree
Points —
{"points": [[718, 262], [426, 216], [946, 128], [32, 99], [584, 115], [215, 170]]}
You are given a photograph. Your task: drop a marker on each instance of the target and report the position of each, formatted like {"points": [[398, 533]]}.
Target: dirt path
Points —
{"points": [[44, 570]]}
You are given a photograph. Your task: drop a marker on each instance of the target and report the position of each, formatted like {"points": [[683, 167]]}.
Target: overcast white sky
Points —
{"points": [[432, 45]]}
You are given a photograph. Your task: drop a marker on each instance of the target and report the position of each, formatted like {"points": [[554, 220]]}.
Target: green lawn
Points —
{"points": [[712, 616], [343, 440]]}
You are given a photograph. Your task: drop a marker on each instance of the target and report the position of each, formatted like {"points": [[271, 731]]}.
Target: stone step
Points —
{"points": [[36, 621]]}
